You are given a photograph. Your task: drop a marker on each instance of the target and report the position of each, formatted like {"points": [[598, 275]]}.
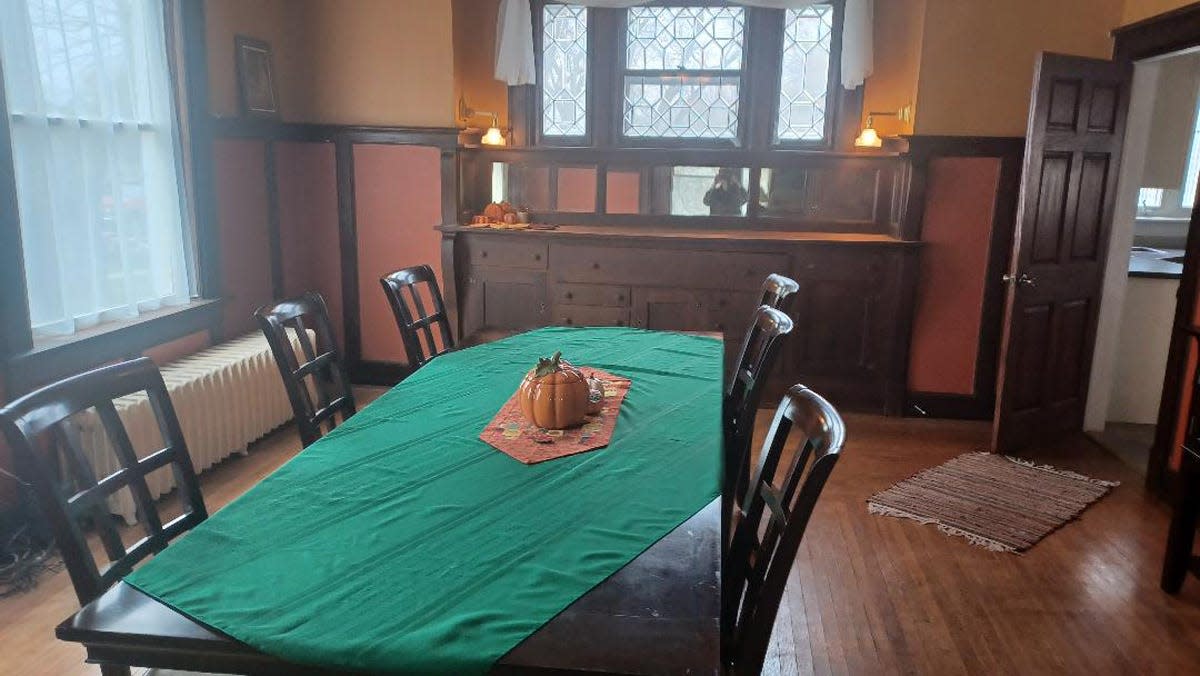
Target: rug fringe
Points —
{"points": [[1061, 472], [973, 538]]}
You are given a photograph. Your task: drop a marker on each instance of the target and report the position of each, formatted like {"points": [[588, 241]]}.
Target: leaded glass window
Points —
{"points": [[683, 72], [804, 76], [564, 70]]}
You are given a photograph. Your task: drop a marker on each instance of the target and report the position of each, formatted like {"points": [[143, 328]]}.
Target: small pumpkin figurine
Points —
{"points": [[554, 394]]}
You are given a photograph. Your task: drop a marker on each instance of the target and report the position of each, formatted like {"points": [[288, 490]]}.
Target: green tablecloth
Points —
{"points": [[403, 543]]}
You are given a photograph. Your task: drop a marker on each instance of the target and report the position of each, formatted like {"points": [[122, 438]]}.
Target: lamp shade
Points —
{"points": [[493, 137], [869, 138]]}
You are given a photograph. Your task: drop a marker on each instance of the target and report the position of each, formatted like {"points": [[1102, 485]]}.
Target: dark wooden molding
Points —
{"points": [[1172, 31], [274, 237], [921, 150], [348, 245], [1159, 35], [43, 364], [195, 68], [15, 335], [445, 138]]}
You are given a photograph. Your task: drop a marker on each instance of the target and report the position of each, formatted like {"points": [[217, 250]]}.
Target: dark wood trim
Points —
{"points": [[15, 333], [1010, 150], [445, 138], [273, 233], [195, 67], [41, 365], [348, 245], [1172, 31]]}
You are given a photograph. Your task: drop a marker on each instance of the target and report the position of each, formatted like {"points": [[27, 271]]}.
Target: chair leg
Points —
{"points": [[114, 670], [1183, 527]]}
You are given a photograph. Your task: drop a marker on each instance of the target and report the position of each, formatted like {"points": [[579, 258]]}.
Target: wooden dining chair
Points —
{"points": [[772, 521], [760, 349], [40, 430], [321, 375], [403, 289], [779, 292]]}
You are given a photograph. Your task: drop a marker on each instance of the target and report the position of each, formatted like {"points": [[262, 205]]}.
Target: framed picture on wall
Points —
{"points": [[256, 78]]}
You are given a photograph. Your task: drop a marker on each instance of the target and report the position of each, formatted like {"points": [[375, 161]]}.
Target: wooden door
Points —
{"points": [[1064, 214]]}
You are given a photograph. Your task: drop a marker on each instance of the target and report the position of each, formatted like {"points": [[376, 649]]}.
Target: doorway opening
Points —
{"points": [[1155, 198]]}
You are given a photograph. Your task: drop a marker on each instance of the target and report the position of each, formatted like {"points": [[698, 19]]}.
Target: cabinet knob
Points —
{"points": [[537, 257], [595, 266], [570, 321], [569, 295], [621, 297], [698, 306], [483, 254]]}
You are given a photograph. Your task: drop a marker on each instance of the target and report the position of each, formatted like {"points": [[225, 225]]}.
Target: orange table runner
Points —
{"points": [[510, 433]]}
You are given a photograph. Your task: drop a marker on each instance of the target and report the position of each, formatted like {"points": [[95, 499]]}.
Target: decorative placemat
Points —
{"points": [[510, 433]]}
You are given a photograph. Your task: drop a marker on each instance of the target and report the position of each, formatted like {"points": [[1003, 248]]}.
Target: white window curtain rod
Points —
{"points": [[514, 43]]}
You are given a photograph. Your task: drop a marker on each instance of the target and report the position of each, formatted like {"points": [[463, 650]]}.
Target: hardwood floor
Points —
{"points": [[870, 594]]}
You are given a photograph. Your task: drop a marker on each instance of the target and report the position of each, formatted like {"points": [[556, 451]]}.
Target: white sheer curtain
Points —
{"points": [[514, 42], [95, 145]]}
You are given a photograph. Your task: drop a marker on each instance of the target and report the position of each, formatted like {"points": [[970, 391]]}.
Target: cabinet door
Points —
{"points": [[504, 298], [669, 310], [835, 333]]}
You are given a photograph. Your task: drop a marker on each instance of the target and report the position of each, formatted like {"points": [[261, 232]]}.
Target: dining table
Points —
{"points": [[402, 543]]}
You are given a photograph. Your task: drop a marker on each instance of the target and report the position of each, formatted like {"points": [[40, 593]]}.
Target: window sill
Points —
{"points": [[53, 358]]}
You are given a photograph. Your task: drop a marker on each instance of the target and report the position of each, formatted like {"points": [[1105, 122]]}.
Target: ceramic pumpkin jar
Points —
{"points": [[554, 394]]}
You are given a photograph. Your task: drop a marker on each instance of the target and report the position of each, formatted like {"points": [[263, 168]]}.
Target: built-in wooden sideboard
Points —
{"points": [[852, 314]]}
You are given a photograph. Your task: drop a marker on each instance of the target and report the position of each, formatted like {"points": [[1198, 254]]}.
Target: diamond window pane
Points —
{"points": [[687, 38], [564, 70], [681, 106], [804, 81]]}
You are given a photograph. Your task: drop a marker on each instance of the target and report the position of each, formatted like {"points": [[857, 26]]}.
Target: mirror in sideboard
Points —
{"points": [[834, 193], [702, 191], [522, 185]]}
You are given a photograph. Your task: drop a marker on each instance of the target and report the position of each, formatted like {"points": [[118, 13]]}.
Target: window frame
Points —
{"points": [[758, 94]]}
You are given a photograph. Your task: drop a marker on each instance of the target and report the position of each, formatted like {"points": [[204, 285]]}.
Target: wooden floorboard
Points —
{"points": [[872, 594]]}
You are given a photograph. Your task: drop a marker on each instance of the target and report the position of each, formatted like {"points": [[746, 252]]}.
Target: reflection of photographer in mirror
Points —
{"points": [[726, 197]]}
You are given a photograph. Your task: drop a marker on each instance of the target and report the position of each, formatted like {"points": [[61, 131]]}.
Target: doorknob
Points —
{"points": [[1022, 279]]}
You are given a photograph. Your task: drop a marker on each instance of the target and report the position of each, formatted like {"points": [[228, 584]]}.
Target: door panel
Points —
{"points": [[1072, 153]]}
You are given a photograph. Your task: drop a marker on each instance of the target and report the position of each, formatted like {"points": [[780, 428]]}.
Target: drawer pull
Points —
{"points": [[537, 256], [483, 254], [595, 266], [569, 295], [570, 321], [621, 297]]}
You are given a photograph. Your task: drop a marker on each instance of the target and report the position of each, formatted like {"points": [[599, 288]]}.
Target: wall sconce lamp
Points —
{"points": [[869, 138], [494, 136]]}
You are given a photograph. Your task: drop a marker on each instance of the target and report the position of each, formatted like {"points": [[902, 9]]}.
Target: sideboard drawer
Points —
{"points": [[584, 263], [530, 255], [592, 294], [590, 315]]}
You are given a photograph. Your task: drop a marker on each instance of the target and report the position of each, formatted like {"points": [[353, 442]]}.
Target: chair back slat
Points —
{"points": [[74, 496], [773, 517], [403, 290], [321, 375], [779, 292], [760, 350]]}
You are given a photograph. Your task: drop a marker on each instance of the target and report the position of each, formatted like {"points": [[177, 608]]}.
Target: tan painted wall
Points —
{"points": [[474, 58], [283, 25], [1136, 10], [899, 26], [977, 58], [378, 62], [387, 62]]}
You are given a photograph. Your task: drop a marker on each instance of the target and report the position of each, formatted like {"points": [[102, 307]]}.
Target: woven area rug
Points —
{"points": [[994, 501]]}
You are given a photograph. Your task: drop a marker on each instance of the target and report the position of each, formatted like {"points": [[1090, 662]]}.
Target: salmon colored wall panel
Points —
{"points": [[960, 201], [577, 189], [308, 224], [242, 229], [397, 198], [179, 348], [622, 192]]}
